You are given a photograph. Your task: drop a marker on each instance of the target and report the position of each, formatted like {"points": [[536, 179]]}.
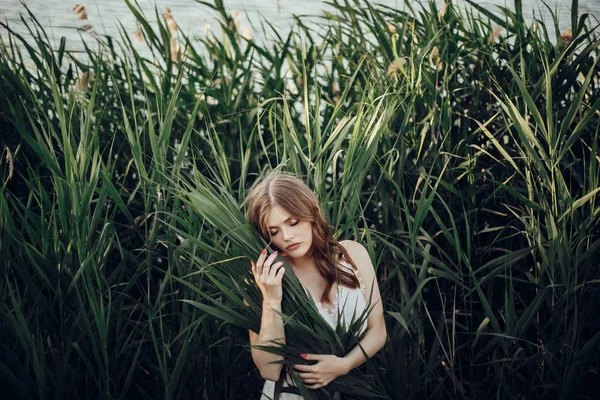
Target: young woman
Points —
{"points": [[287, 214]]}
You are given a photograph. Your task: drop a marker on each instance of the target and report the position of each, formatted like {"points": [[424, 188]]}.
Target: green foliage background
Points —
{"points": [[461, 148]]}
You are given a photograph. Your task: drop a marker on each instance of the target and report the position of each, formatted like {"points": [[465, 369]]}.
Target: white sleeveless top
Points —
{"points": [[347, 303]]}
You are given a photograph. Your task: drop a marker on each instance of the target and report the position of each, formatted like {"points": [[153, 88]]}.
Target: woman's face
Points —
{"points": [[286, 230]]}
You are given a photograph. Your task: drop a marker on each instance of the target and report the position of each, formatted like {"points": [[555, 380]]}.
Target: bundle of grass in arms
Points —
{"points": [[305, 329]]}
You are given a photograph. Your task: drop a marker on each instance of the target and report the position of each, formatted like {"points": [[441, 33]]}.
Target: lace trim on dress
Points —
{"points": [[363, 288], [331, 313]]}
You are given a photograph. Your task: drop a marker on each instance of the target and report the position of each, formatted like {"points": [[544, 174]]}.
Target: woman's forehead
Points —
{"points": [[277, 216]]}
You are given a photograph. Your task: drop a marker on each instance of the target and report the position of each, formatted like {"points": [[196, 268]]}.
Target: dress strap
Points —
{"points": [[347, 266]]}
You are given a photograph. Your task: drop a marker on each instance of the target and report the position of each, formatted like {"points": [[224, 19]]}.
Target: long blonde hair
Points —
{"points": [[292, 194]]}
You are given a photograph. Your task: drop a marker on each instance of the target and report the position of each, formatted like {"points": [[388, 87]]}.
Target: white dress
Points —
{"points": [[354, 303]]}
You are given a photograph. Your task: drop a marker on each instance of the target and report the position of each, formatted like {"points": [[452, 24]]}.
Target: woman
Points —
{"points": [[287, 214]]}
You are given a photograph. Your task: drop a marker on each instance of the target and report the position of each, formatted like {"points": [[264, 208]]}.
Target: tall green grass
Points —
{"points": [[464, 157]]}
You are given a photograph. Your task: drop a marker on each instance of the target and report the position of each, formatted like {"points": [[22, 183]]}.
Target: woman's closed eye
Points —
{"points": [[291, 224]]}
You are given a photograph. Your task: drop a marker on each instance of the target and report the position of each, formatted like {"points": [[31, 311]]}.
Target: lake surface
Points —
{"points": [[59, 19]]}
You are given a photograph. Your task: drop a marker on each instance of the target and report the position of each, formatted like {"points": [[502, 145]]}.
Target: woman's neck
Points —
{"points": [[304, 263]]}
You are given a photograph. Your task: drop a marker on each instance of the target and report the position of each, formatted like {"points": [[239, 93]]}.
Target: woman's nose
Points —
{"points": [[287, 235]]}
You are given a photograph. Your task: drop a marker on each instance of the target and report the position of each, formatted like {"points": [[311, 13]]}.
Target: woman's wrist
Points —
{"points": [[272, 304], [345, 366]]}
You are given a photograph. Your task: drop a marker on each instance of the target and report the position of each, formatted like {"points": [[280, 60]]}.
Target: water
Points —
{"points": [[59, 19]]}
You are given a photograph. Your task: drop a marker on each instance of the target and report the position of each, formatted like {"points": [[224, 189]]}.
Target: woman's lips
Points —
{"points": [[293, 246]]}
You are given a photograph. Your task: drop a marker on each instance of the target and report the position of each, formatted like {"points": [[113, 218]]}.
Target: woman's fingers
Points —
{"points": [[271, 258], [269, 275], [267, 264], [309, 378], [275, 269], [303, 368], [315, 386], [260, 262], [280, 273], [307, 375]]}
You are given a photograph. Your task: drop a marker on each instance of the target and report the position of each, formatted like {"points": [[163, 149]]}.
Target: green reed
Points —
{"points": [[460, 147]]}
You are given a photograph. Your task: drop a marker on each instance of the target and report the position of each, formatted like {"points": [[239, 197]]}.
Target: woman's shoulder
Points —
{"points": [[351, 244], [357, 252], [365, 272]]}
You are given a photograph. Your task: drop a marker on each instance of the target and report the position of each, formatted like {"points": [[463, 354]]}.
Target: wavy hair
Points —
{"points": [[293, 195]]}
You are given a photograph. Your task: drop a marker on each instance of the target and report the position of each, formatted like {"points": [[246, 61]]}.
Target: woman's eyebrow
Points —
{"points": [[290, 217]]}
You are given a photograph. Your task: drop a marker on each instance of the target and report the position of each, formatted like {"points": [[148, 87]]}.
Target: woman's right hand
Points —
{"points": [[268, 277]]}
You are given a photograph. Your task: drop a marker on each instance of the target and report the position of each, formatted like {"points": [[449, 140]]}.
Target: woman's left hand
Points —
{"points": [[327, 368]]}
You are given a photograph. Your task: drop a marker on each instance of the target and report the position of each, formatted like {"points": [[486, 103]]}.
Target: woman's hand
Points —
{"points": [[327, 368], [268, 277]]}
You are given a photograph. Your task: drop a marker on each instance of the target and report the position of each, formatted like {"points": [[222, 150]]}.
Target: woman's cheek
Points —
{"points": [[279, 243]]}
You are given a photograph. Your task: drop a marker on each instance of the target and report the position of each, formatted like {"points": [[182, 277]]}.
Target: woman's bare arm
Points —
{"points": [[328, 366], [376, 334], [268, 277], [271, 329]]}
